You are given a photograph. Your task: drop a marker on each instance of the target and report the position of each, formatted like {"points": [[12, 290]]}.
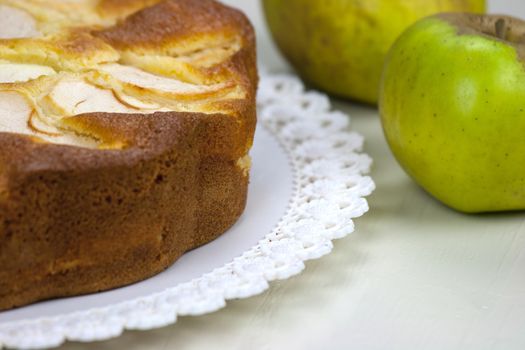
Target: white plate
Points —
{"points": [[306, 185]]}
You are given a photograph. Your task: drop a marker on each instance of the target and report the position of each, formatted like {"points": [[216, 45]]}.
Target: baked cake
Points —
{"points": [[125, 127]]}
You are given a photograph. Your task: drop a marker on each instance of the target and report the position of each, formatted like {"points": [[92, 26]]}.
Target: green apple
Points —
{"points": [[452, 105], [340, 45]]}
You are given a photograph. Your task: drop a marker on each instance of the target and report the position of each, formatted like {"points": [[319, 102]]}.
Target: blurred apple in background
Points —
{"points": [[453, 109], [340, 45]]}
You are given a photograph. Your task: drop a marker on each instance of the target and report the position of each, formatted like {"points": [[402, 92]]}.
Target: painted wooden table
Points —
{"points": [[415, 275]]}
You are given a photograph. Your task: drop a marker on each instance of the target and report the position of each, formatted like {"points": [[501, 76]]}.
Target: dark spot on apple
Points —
{"points": [[435, 115]]}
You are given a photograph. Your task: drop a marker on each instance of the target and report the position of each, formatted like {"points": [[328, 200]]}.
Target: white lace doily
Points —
{"points": [[330, 186]]}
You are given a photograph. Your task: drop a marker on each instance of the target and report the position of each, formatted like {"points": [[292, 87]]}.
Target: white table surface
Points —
{"points": [[415, 275]]}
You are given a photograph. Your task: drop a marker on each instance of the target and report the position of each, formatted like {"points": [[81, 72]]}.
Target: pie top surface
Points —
{"points": [[61, 60]]}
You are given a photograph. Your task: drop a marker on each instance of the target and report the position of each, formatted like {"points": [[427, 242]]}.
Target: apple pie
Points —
{"points": [[125, 127]]}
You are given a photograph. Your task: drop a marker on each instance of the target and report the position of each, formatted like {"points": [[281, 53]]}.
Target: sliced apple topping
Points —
{"points": [[164, 65], [46, 97], [54, 74], [16, 23], [137, 104], [17, 115], [39, 124], [72, 96], [15, 111], [211, 56], [139, 80], [20, 72]]}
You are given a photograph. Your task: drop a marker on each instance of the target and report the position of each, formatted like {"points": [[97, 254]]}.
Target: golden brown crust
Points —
{"points": [[78, 220], [157, 25], [122, 8]]}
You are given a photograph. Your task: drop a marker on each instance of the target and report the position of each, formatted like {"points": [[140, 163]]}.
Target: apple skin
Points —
{"points": [[340, 45], [453, 111]]}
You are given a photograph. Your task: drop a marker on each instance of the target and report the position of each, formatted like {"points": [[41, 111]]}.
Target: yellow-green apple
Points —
{"points": [[452, 105], [340, 45]]}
